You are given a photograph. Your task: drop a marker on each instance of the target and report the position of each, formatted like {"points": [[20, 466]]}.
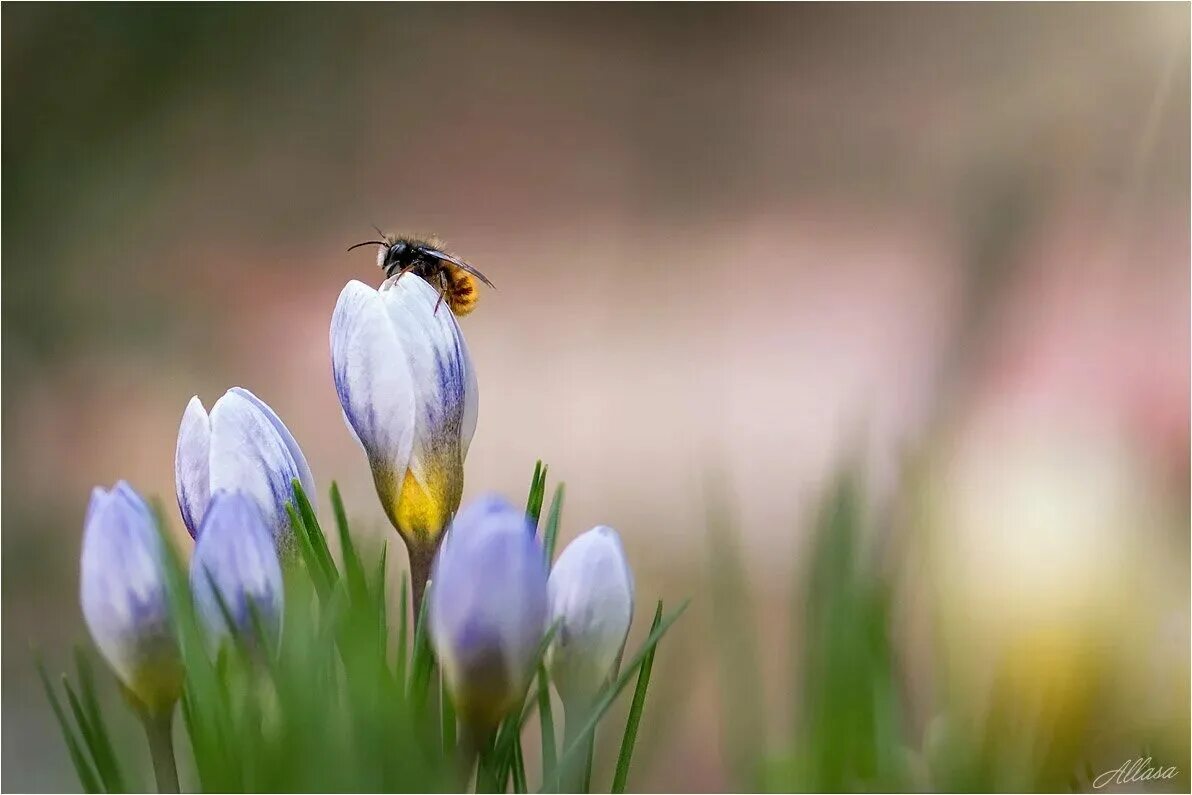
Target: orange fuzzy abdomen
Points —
{"points": [[462, 293]]}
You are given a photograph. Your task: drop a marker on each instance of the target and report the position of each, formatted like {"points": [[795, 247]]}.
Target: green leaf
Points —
{"points": [[403, 622], [318, 541], [101, 750], [519, 767], [578, 744], [446, 718], [422, 659], [509, 732], [537, 490], [314, 569], [550, 536], [633, 722], [547, 722], [87, 776], [353, 568]]}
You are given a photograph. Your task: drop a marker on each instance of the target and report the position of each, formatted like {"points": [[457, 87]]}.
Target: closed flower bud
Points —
{"points": [[409, 395], [124, 597], [487, 609], [234, 574], [591, 603], [241, 446]]}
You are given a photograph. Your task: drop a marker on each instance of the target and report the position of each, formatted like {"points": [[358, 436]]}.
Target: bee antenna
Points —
{"points": [[368, 243], [379, 232]]}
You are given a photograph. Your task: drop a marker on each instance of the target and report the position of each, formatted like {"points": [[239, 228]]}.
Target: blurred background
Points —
{"points": [[867, 326]]}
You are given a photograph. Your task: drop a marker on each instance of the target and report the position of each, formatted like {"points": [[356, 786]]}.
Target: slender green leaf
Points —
{"points": [[550, 535], [446, 718], [518, 767], [537, 492], [87, 732], [422, 659], [306, 551], [318, 541], [353, 569], [546, 720], [403, 622], [87, 776], [105, 755], [633, 722]]}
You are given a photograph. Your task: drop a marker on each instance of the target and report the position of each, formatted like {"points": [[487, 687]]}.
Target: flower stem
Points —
{"points": [[421, 558], [161, 748]]}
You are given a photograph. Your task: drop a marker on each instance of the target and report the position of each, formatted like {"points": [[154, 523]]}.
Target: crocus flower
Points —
{"points": [[241, 446], [124, 598], [591, 602], [409, 396], [235, 563], [487, 609]]}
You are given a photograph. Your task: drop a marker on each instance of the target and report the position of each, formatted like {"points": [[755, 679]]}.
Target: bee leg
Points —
{"points": [[442, 292], [404, 271]]}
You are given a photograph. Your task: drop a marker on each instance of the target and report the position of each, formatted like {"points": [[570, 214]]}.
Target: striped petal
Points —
{"points": [[249, 455], [192, 465], [591, 598], [122, 589], [372, 379], [235, 568]]}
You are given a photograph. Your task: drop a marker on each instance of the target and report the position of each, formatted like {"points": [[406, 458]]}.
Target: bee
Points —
{"points": [[452, 277]]}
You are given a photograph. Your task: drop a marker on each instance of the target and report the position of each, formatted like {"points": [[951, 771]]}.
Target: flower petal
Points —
{"points": [[304, 473], [591, 596], [192, 464], [372, 378], [122, 591], [249, 455], [439, 368], [487, 608], [235, 558]]}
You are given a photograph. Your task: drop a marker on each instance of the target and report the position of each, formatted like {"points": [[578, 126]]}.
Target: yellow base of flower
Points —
{"points": [[421, 511]]}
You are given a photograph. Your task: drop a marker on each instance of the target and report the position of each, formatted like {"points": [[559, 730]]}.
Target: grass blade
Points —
{"points": [[633, 722], [403, 632], [537, 492], [318, 541], [551, 534], [446, 718], [353, 568], [307, 552], [87, 776], [422, 660], [519, 767], [105, 755], [547, 722]]}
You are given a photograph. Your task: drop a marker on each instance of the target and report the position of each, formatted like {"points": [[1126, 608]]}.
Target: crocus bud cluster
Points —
{"points": [[242, 445], [408, 393], [234, 470], [491, 601]]}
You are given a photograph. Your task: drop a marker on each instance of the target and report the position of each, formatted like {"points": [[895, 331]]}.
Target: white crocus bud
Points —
{"points": [[124, 598], [487, 610], [591, 606], [242, 445], [409, 396], [235, 574]]}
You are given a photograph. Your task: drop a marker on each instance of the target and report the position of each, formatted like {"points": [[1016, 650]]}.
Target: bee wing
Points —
{"points": [[460, 264]]}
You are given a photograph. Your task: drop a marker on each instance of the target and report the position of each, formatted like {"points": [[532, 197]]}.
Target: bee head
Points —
{"points": [[393, 256]]}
